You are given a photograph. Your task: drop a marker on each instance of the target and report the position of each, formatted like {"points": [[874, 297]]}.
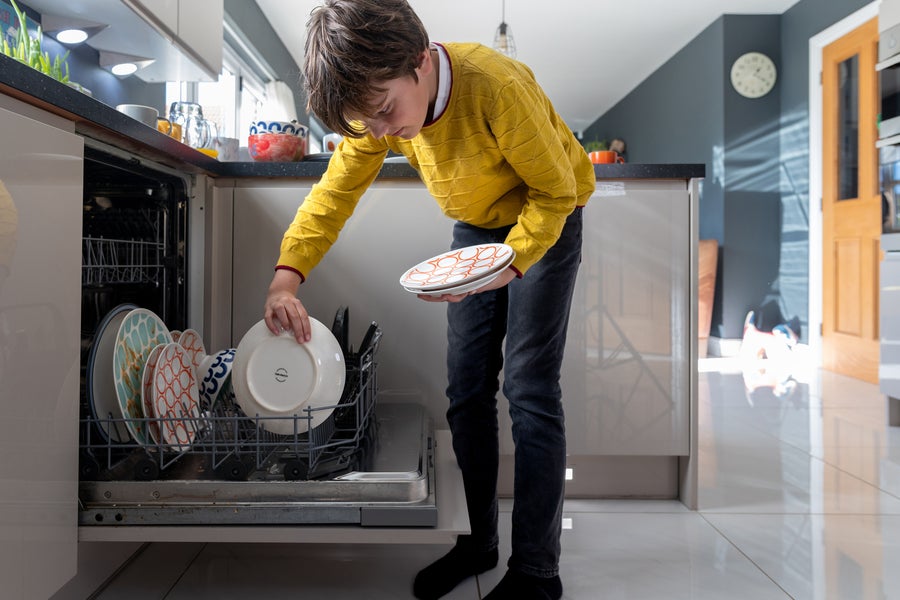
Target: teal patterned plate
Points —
{"points": [[139, 333]]}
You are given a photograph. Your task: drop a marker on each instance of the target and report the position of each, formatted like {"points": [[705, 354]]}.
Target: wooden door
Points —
{"points": [[851, 205]]}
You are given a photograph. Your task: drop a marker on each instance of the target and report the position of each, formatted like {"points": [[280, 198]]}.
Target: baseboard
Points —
{"points": [[723, 347]]}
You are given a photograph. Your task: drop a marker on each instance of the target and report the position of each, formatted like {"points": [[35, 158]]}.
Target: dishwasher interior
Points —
{"points": [[357, 465]]}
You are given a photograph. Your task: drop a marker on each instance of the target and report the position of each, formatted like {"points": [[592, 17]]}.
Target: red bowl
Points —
{"points": [[276, 147]]}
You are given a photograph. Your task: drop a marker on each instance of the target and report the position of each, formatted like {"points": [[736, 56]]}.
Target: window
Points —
{"points": [[231, 103]]}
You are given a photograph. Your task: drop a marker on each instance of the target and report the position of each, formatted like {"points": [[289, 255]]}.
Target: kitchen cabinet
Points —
{"points": [[183, 38], [629, 376], [165, 11], [196, 26], [40, 293]]}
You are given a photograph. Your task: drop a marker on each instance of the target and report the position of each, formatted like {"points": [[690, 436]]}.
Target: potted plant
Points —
{"points": [[27, 50], [595, 146]]}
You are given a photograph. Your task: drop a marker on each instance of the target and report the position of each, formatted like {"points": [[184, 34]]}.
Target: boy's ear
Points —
{"points": [[426, 65]]}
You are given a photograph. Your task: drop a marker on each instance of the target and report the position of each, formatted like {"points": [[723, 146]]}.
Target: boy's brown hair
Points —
{"points": [[351, 47]]}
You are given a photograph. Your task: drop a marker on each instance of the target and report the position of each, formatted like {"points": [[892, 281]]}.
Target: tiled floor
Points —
{"points": [[799, 495]]}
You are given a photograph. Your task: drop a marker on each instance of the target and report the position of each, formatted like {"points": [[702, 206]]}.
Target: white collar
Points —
{"points": [[444, 81]]}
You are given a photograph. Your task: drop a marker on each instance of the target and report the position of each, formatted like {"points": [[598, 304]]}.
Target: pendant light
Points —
{"points": [[503, 38]]}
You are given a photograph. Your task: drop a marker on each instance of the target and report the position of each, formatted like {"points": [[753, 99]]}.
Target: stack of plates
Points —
{"points": [[145, 386], [458, 271]]}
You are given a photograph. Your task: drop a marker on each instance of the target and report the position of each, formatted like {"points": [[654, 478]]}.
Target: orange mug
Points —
{"points": [[603, 157], [175, 133], [163, 125], [169, 128]]}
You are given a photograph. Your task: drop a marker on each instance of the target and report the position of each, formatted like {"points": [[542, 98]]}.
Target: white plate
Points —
{"points": [[176, 400], [147, 392], [140, 332], [466, 286], [458, 266], [100, 385], [274, 376]]}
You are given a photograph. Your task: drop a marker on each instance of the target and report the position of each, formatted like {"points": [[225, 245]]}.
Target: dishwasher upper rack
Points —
{"points": [[231, 445], [136, 255]]}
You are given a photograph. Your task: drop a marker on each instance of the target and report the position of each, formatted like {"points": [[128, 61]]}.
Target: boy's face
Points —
{"points": [[401, 109]]}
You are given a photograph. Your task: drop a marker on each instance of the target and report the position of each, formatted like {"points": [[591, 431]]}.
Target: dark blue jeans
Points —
{"points": [[532, 314]]}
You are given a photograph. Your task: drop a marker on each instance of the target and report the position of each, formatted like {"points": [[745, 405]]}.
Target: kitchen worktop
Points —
{"points": [[95, 119]]}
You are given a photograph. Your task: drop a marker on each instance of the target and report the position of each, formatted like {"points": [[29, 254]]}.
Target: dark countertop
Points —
{"points": [[100, 121]]}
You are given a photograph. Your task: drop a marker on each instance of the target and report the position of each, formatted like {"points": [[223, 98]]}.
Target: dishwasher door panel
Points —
{"points": [[40, 298]]}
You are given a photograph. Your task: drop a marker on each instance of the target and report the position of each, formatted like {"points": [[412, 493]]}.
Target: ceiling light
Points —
{"points": [[122, 65], [503, 38], [67, 30]]}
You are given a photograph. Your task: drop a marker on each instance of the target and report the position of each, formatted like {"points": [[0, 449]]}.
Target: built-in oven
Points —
{"points": [[889, 81], [889, 183]]}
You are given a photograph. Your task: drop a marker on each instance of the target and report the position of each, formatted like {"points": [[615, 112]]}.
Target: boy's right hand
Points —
{"points": [[283, 310]]}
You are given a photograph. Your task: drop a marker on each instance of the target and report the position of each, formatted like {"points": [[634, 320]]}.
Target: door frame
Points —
{"points": [[817, 44]]}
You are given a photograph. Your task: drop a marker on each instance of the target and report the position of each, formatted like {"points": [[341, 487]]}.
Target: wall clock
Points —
{"points": [[753, 75]]}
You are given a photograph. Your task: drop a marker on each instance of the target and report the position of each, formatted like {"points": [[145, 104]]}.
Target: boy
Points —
{"points": [[492, 151]]}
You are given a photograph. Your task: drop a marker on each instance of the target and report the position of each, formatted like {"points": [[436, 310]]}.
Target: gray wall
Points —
{"points": [[755, 199], [752, 213], [676, 116]]}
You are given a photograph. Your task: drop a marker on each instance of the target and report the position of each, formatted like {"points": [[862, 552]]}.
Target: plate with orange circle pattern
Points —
{"points": [[457, 267], [176, 397]]}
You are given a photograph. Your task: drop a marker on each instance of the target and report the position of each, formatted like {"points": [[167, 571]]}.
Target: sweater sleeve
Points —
{"points": [[528, 133], [323, 213]]}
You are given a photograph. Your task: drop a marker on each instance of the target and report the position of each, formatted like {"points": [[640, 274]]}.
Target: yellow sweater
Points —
{"points": [[498, 155]]}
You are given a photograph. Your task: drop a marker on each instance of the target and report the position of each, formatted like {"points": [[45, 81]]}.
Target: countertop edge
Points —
{"points": [[102, 122]]}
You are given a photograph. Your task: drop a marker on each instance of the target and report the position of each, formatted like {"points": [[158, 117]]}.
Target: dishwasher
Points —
{"points": [[366, 464]]}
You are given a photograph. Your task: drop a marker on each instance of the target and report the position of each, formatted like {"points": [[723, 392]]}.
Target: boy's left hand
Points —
{"points": [[503, 279]]}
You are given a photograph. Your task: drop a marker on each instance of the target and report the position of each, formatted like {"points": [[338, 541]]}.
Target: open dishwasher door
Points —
{"points": [[361, 470]]}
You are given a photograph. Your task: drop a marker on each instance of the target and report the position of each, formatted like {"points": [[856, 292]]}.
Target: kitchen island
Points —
{"points": [[629, 379]]}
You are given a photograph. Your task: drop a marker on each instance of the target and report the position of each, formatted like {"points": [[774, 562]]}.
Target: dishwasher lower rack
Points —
{"points": [[392, 485], [223, 443]]}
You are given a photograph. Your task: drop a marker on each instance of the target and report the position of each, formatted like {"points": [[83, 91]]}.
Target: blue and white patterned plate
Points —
{"points": [[215, 372]]}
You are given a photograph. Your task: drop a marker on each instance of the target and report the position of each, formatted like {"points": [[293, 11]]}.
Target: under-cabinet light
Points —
{"points": [[124, 69], [71, 36], [122, 65], [68, 30]]}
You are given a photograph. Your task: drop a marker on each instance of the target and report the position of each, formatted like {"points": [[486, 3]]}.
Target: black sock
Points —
{"points": [[450, 570], [519, 586]]}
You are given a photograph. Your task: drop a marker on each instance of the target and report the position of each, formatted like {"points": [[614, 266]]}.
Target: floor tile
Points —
{"points": [[292, 571], [821, 556], [779, 478], [647, 556], [152, 572]]}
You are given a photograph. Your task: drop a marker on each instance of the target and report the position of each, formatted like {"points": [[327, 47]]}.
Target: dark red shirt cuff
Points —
{"points": [[287, 268]]}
